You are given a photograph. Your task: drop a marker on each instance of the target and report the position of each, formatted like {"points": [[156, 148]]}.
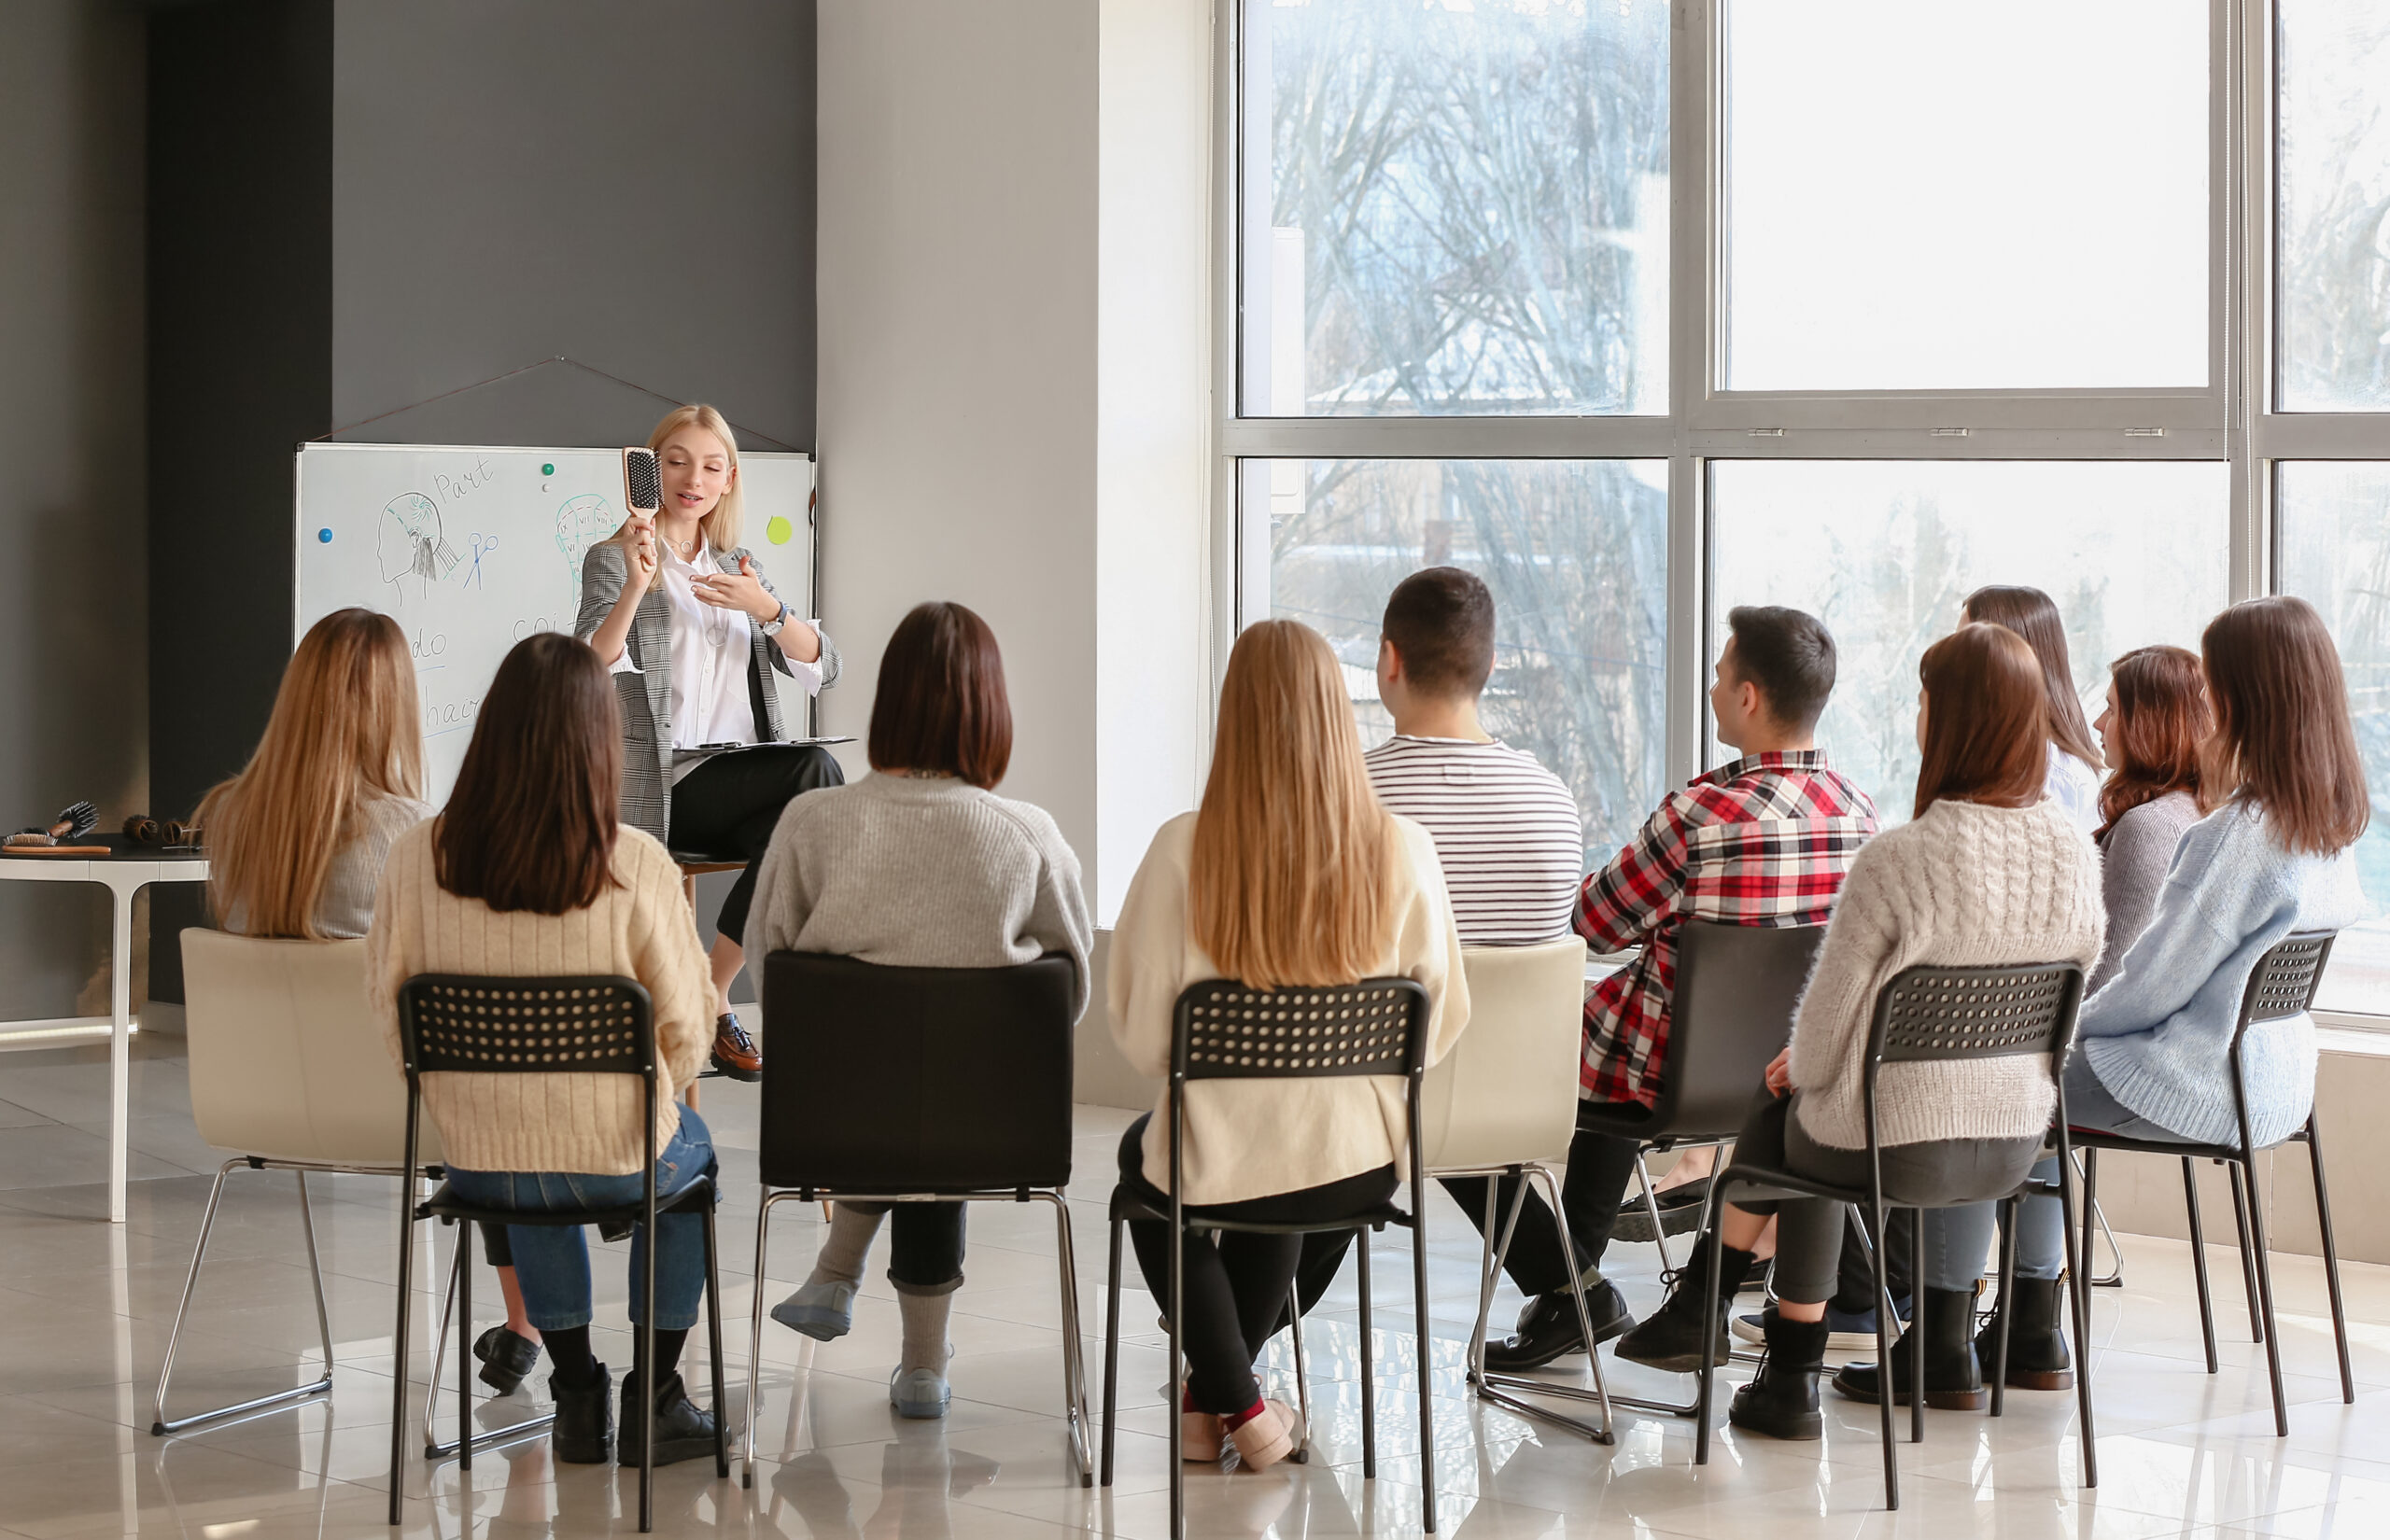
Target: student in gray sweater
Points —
{"points": [[2156, 718], [920, 865]]}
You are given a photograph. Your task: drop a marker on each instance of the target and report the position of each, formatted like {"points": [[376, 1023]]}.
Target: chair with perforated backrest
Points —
{"points": [[2282, 985], [458, 1024], [288, 1067], [1730, 1012], [1503, 1104], [894, 1085], [1222, 1030], [1930, 1014]]}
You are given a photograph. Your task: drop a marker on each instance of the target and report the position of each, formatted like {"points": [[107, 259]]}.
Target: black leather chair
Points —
{"points": [[1928, 1015], [1225, 1030], [920, 1085], [2283, 985], [457, 1024], [1736, 988]]}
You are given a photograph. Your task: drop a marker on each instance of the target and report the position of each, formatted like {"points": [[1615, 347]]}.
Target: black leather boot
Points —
{"points": [[506, 1358], [1548, 1328], [584, 1434], [1671, 1340], [1953, 1378], [682, 1431], [1781, 1400], [2037, 1356]]}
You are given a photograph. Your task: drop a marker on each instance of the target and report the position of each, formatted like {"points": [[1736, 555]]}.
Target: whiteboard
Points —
{"points": [[473, 549]]}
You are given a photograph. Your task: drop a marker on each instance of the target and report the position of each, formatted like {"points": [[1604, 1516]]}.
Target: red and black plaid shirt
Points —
{"points": [[1765, 840]]}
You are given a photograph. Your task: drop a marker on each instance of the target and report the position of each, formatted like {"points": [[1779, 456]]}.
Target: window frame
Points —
{"points": [[2235, 418]]}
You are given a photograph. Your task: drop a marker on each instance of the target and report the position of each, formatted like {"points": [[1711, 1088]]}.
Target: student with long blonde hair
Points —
{"points": [[296, 841], [1291, 873]]}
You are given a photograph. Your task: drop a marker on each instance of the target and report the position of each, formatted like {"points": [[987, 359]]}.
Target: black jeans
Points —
{"points": [[1236, 1292], [730, 804], [924, 1244]]}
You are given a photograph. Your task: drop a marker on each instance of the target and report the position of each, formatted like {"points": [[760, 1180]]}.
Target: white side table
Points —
{"points": [[123, 873]]}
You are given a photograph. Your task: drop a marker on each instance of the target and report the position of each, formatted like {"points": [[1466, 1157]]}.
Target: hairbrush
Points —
{"points": [[74, 822], [642, 485], [141, 829]]}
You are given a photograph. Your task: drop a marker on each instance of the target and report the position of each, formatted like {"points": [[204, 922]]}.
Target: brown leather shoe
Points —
{"points": [[735, 1053]]}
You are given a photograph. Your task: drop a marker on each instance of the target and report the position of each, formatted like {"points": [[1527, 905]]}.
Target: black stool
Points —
{"points": [[457, 1024], [1227, 1030]]}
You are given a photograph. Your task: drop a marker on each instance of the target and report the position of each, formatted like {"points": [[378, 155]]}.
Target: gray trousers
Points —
{"points": [[1933, 1175]]}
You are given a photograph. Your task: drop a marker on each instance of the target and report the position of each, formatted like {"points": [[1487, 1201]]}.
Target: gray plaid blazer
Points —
{"points": [[646, 696]]}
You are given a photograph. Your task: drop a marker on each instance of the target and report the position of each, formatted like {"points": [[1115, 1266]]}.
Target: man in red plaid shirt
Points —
{"points": [[1763, 840]]}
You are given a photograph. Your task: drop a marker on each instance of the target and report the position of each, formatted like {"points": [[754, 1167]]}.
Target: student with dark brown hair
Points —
{"points": [[1989, 873], [919, 864], [2156, 726], [528, 873], [2072, 777]]}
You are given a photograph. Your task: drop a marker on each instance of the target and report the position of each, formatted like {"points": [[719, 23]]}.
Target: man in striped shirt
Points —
{"points": [[1765, 839]]}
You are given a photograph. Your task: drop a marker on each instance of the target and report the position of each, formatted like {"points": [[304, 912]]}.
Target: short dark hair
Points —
{"points": [[1789, 655], [941, 703], [1987, 720], [532, 821], [1440, 621]]}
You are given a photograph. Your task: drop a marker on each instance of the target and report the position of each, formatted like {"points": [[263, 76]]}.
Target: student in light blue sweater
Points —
{"points": [[2286, 799]]}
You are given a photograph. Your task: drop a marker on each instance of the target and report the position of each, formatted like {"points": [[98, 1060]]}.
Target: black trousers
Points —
{"points": [[924, 1244], [1236, 1290], [730, 804], [1602, 1164]]}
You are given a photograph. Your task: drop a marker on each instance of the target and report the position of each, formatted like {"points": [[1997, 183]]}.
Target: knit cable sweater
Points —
{"points": [[1965, 884], [920, 874], [639, 928], [2157, 1033]]}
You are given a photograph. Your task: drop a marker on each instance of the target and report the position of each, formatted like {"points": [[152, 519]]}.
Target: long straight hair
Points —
{"points": [[2282, 736], [2162, 721], [1291, 874], [721, 526], [345, 723], [2033, 615], [1986, 725], [532, 822]]}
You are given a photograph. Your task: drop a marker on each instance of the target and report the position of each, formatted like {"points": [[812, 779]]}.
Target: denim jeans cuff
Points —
{"points": [[926, 1290], [562, 1320]]}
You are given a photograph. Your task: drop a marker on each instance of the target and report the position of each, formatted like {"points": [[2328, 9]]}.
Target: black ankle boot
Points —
{"points": [[1671, 1340], [1953, 1378], [2037, 1356], [682, 1431], [1781, 1400], [584, 1434]]}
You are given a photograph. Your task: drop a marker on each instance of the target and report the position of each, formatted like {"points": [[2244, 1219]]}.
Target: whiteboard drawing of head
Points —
{"points": [[581, 523], [407, 541]]}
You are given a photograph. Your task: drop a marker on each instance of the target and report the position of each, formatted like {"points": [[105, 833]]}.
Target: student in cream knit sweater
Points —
{"points": [[528, 874], [918, 865], [1989, 873]]}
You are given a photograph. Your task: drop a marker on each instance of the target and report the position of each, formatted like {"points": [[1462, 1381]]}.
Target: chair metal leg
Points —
{"points": [[1177, 1362], [2087, 1168], [164, 1425], [1917, 1338], [2080, 1297], [2199, 1259], [2331, 1261], [1369, 1372], [1712, 1239], [2010, 1211], [1074, 1363], [488, 1438], [1879, 1253], [1496, 1237], [755, 1341], [1668, 1269], [464, 1348], [399, 1347], [1427, 1383], [2266, 1300], [714, 1347], [2241, 1195], [1112, 1349], [1302, 1374], [1494, 1387]]}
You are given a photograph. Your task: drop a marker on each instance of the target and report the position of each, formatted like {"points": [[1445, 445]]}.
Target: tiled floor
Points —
{"points": [[85, 1309]]}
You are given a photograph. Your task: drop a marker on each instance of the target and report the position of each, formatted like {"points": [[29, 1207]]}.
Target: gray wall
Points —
{"points": [[73, 601]]}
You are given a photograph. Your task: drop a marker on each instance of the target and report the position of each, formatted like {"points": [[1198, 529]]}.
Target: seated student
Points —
{"points": [[918, 865], [1291, 873], [2156, 720], [2285, 796], [1989, 873], [2073, 780], [528, 873], [1762, 840]]}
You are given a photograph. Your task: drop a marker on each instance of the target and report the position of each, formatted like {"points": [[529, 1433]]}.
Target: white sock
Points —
{"points": [[849, 1246], [925, 1317]]}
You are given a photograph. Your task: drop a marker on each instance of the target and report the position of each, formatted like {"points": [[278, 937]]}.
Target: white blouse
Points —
{"points": [[2072, 784], [709, 699]]}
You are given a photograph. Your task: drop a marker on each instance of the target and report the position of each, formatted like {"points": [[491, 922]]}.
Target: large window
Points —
{"points": [[1646, 309]]}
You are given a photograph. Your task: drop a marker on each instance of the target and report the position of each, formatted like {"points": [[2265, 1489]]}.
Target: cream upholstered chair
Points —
{"points": [[1504, 1103], [288, 1067]]}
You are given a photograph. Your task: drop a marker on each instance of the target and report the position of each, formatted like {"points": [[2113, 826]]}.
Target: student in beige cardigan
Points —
{"points": [[528, 874], [1989, 873], [1291, 873]]}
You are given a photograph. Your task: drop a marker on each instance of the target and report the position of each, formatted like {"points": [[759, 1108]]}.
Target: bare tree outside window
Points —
{"points": [[2333, 291]]}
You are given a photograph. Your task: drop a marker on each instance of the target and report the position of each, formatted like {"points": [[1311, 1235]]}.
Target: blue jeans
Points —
{"points": [[552, 1261]]}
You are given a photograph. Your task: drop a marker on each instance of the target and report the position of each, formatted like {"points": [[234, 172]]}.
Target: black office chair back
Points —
{"points": [[1227, 1030], [2286, 979], [1929, 1013], [915, 1080], [1736, 989]]}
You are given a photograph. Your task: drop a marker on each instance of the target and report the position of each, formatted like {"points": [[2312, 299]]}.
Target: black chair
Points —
{"points": [[1225, 1030], [1935, 1015], [1736, 988], [917, 1085], [2283, 984], [456, 1024]]}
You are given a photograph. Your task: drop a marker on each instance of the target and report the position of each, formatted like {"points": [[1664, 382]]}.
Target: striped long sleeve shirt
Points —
{"points": [[1506, 831]]}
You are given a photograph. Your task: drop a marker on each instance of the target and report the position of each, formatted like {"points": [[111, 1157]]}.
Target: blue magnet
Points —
{"points": [[324, 536]]}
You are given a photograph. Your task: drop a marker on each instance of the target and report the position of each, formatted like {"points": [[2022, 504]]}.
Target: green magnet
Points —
{"points": [[547, 470]]}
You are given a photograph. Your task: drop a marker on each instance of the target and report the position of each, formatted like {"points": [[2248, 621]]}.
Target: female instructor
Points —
{"points": [[677, 608]]}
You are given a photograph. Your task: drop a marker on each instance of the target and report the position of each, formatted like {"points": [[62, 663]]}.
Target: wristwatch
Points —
{"points": [[772, 627]]}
